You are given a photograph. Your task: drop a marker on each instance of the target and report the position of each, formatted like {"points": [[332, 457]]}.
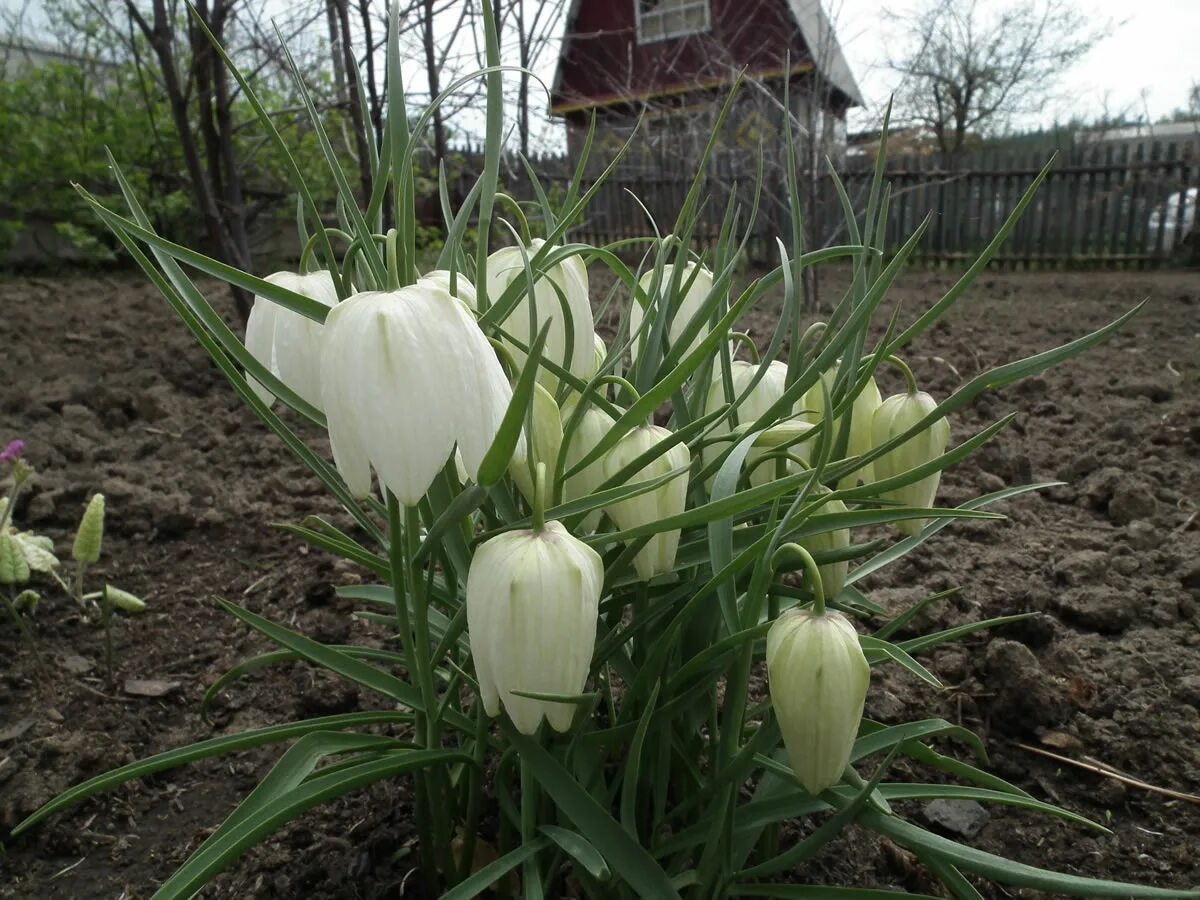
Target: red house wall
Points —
{"points": [[605, 65]]}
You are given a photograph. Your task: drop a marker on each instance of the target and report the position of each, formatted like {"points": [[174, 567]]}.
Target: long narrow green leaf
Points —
{"points": [[230, 743]]}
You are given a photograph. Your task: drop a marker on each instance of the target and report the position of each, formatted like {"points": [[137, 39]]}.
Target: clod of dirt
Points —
{"points": [[1097, 489], [1132, 499], [1098, 607], [1143, 536], [1026, 696], [1156, 391], [76, 664], [963, 818], [1083, 567]]}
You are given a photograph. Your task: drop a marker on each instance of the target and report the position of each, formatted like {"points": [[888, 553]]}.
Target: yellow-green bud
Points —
{"points": [[123, 600], [532, 603], [787, 434], [27, 602], [669, 499], [833, 575], [593, 425], [545, 441], [14, 569], [895, 416], [818, 678], [90, 535]]}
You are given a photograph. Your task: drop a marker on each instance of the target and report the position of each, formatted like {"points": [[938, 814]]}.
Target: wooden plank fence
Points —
{"points": [[1132, 205]]}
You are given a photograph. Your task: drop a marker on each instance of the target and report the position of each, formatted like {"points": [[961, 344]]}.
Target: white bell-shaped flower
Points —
{"points": [[532, 602], [696, 282], [862, 410], [764, 395], [545, 441], [570, 276], [818, 678], [668, 499], [895, 416], [786, 437], [287, 343], [408, 374], [463, 289], [833, 575], [594, 424]]}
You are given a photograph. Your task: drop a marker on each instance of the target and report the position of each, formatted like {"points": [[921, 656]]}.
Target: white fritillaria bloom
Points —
{"points": [[532, 602], [862, 410], [895, 416], [408, 374], [546, 439], [787, 436], [668, 499], [506, 266], [287, 343], [463, 289], [833, 575], [818, 678], [696, 282], [593, 425], [768, 390]]}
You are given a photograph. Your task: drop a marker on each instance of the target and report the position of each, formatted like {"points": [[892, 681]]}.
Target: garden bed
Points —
{"points": [[111, 394]]}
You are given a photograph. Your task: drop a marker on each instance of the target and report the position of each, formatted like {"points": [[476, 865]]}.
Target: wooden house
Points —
{"points": [[671, 64]]}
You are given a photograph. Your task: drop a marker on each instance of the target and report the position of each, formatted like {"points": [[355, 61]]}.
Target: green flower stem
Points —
{"points": [[812, 574], [909, 379], [522, 222], [77, 584], [539, 498], [7, 515], [24, 631], [306, 254], [748, 342], [530, 873], [393, 260], [474, 791], [622, 383], [404, 634], [106, 613], [506, 358]]}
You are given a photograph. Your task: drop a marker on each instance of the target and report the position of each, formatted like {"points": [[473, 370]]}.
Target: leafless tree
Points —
{"points": [[968, 67]]}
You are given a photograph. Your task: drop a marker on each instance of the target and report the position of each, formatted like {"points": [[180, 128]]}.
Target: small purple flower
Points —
{"points": [[12, 452]]}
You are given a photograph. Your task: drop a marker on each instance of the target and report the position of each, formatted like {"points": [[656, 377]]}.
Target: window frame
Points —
{"points": [[681, 6]]}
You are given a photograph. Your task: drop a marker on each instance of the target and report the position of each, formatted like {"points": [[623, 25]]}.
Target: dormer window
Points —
{"points": [[660, 20]]}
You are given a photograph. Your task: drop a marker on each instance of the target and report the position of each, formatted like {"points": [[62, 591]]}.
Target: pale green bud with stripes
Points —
{"points": [[896, 415], [545, 442], [90, 536], [593, 425], [818, 678]]}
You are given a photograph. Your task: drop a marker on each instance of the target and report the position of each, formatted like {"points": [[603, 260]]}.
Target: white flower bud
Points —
{"points": [[818, 678], [833, 575], [862, 410], [287, 343], [408, 374], [545, 441], [669, 499], [600, 352], [694, 295], [593, 425], [532, 603], [895, 416], [768, 390], [506, 266], [779, 438]]}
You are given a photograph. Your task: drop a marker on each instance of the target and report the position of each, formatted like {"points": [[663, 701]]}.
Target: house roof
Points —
{"points": [[814, 28]]}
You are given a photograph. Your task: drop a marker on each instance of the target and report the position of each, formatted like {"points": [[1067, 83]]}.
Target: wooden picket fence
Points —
{"points": [[1131, 205]]}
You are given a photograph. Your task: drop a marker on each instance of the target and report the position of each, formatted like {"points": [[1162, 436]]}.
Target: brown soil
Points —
{"points": [[110, 394]]}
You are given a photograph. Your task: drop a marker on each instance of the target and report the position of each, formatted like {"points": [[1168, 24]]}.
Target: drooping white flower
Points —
{"points": [[787, 436], [696, 282], [833, 575], [895, 416], [287, 343], [506, 266], [668, 499], [545, 442], [407, 375], [593, 425], [862, 410], [463, 289], [818, 678], [532, 603], [764, 395]]}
